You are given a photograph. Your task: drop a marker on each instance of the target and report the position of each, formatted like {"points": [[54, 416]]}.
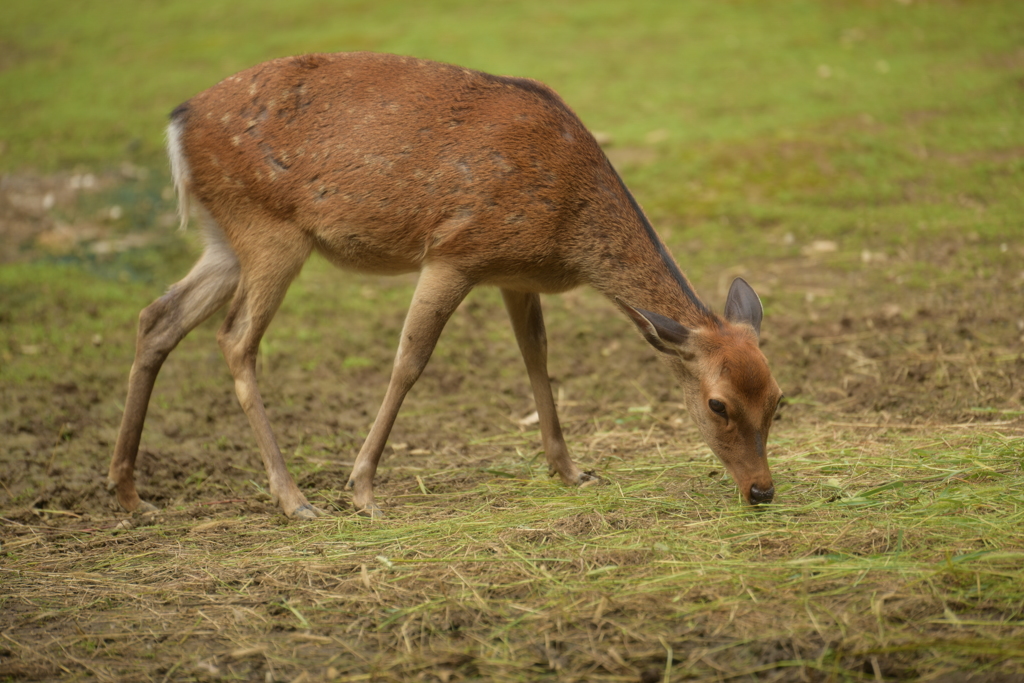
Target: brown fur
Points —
{"points": [[390, 164]]}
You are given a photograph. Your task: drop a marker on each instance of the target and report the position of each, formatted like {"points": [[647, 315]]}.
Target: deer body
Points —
{"points": [[389, 164]]}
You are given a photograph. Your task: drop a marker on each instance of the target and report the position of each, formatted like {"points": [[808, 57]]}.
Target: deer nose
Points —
{"points": [[758, 496]]}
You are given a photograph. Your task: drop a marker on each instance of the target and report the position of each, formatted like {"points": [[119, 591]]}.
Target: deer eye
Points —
{"points": [[717, 407]]}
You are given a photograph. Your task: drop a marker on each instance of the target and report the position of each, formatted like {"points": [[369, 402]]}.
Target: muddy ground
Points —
{"points": [[844, 334], [849, 342]]}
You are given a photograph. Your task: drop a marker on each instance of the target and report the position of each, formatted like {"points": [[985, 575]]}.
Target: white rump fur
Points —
{"points": [[217, 271], [179, 171]]}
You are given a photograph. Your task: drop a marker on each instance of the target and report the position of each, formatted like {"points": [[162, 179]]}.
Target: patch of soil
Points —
{"points": [[953, 353], [58, 214], [848, 344], [892, 355]]}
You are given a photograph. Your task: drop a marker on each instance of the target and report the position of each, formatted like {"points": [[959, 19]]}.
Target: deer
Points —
{"points": [[388, 164]]}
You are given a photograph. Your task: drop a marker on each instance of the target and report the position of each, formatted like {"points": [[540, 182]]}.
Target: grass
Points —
{"points": [[94, 83], [859, 161], [913, 558]]}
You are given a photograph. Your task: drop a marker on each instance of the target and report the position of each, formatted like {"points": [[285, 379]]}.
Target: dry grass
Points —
{"points": [[891, 554]]}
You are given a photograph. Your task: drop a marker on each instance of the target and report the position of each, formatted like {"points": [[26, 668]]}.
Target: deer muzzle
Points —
{"points": [[759, 495]]}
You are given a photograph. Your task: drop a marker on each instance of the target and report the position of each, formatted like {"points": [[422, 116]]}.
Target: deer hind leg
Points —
{"points": [[439, 292], [163, 324], [271, 256], [528, 323]]}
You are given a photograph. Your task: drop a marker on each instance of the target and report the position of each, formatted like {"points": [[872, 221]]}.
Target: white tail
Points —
{"points": [[389, 164]]}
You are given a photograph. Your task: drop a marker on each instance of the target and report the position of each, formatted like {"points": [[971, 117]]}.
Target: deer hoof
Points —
{"points": [[128, 498], [587, 479], [140, 508], [306, 511], [143, 516], [371, 511]]}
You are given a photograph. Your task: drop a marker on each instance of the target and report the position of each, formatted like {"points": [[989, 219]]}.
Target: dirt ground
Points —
{"points": [[849, 344]]}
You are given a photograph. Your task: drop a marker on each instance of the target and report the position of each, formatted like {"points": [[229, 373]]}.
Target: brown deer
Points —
{"points": [[388, 164]]}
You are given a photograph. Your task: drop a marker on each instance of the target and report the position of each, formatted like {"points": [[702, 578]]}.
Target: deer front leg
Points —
{"points": [[528, 323], [439, 292]]}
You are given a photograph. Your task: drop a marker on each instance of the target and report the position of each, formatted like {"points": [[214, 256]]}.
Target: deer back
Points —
{"points": [[385, 162]]}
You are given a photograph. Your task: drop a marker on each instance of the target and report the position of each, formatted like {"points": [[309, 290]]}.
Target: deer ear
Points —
{"points": [[743, 305], [661, 332]]}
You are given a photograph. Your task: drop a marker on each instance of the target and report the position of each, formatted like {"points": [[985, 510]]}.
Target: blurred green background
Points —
{"points": [[92, 82], [811, 115]]}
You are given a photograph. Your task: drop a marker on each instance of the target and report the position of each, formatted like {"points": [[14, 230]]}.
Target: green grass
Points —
{"points": [[92, 83], [748, 130], [875, 123]]}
